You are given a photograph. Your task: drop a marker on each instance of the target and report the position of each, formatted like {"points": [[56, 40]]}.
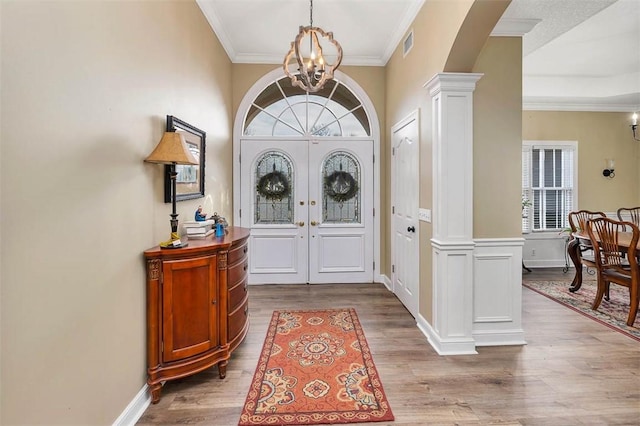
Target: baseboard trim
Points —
{"points": [[135, 409], [497, 338], [449, 347], [386, 281]]}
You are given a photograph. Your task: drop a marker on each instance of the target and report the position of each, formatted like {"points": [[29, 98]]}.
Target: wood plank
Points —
{"points": [[572, 370]]}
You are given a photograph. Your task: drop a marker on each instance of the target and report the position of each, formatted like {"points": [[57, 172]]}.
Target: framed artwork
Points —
{"points": [[190, 179]]}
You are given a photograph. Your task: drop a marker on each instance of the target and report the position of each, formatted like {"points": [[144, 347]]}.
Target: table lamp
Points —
{"points": [[172, 149]]}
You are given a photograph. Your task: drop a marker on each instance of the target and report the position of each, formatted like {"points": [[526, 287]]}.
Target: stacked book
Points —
{"points": [[199, 229]]}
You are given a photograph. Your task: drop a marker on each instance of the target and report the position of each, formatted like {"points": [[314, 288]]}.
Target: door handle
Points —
{"points": [[313, 223], [301, 224], [312, 202], [411, 229]]}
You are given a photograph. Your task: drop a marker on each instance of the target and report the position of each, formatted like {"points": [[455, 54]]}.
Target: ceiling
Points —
{"points": [[578, 54]]}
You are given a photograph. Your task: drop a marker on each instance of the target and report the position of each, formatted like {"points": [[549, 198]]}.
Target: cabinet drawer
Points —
{"points": [[238, 253], [237, 273], [237, 294], [237, 319]]}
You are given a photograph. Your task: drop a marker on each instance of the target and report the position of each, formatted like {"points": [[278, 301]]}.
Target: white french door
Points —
{"points": [[405, 228], [309, 205]]}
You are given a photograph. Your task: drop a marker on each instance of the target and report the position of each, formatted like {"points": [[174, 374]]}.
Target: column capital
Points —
{"points": [[452, 82]]}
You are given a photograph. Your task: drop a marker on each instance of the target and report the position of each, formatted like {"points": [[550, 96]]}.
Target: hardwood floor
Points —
{"points": [[573, 371]]}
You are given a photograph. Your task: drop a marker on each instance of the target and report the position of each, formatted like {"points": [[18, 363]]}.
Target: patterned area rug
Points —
{"points": [[613, 313], [315, 368]]}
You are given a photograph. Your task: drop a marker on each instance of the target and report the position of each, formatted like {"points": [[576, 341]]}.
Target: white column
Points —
{"points": [[452, 242]]}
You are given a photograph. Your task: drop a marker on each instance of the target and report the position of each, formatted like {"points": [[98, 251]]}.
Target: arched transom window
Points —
{"points": [[284, 110]]}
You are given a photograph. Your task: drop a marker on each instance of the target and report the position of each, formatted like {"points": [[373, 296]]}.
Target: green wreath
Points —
{"points": [[274, 186], [340, 186]]}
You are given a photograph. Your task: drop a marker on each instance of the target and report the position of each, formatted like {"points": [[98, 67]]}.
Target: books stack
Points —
{"points": [[199, 230]]}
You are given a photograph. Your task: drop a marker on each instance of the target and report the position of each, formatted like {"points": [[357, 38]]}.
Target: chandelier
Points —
{"points": [[311, 68]]}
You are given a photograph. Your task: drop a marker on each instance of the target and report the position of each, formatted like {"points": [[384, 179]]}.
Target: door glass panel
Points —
{"points": [[274, 189], [341, 189]]}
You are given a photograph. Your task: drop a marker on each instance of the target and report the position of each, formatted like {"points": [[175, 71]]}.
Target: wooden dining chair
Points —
{"points": [[632, 214], [611, 265], [578, 222]]}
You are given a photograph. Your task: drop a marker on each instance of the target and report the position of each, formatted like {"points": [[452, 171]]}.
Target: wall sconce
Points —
{"points": [[608, 171], [634, 125]]}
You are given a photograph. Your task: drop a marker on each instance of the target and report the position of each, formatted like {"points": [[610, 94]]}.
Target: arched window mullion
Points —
{"points": [[284, 122], [313, 131], [290, 107], [339, 118], [308, 111], [326, 102], [276, 118]]}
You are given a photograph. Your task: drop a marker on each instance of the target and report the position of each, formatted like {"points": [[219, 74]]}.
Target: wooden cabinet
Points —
{"points": [[197, 306]]}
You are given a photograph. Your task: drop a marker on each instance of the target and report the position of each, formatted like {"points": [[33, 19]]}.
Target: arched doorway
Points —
{"points": [[306, 182]]}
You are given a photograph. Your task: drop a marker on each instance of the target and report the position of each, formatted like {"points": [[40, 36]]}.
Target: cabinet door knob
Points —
{"points": [[245, 267], [313, 223], [301, 224], [213, 302], [246, 309], [245, 250]]}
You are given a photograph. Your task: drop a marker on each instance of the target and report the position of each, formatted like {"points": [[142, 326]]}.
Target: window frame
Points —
{"points": [[530, 145]]}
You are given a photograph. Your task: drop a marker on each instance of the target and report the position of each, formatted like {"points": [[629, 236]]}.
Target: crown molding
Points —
{"points": [[573, 106], [217, 27], [258, 58], [512, 27]]}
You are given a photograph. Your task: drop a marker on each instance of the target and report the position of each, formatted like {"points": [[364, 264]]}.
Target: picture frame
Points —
{"points": [[190, 179]]}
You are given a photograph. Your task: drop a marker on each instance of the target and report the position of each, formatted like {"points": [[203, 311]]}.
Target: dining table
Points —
{"points": [[575, 254]]}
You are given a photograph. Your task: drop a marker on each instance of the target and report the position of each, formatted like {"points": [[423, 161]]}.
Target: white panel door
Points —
{"points": [[309, 205], [405, 229], [341, 211], [273, 205]]}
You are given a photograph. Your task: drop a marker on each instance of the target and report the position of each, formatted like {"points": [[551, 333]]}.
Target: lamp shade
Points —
{"points": [[172, 149]]}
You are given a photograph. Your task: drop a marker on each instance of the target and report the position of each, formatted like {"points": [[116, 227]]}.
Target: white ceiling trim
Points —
{"points": [[218, 28], [371, 61], [401, 30], [514, 27], [554, 105]]}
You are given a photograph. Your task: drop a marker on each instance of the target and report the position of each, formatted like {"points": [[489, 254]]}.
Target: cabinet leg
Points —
{"points": [[155, 392], [222, 369]]}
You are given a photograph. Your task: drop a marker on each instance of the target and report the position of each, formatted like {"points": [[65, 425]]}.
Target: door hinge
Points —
{"points": [[374, 158], [393, 268], [239, 158], [393, 151], [374, 265], [393, 209], [374, 212], [239, 212]]}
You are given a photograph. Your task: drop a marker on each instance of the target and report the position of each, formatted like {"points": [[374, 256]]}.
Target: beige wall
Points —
{"points": [[85, 90], [497, 136], [600, 135]]}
